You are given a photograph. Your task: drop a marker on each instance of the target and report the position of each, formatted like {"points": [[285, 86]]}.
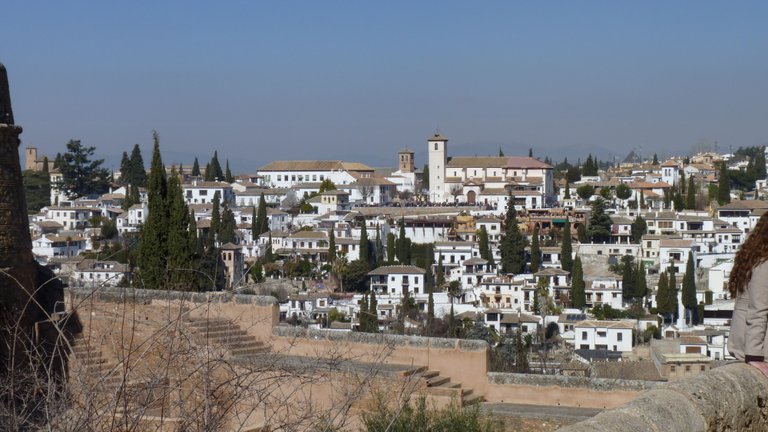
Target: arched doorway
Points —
{"points": [[471, 197]]}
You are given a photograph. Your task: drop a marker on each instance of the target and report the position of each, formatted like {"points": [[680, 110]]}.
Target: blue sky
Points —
{"points": [[353, 80]]}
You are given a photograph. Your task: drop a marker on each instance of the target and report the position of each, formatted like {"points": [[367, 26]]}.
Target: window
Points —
{"points": [[583, 335], [619, 337], [279, 177], [702, 368], [672, 368], [203, 192], [435, 146], [687, 368], [601, 334]]}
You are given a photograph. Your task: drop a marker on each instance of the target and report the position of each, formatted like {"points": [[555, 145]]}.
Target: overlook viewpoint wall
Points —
{"points": [[464, 361], [729, 398]]}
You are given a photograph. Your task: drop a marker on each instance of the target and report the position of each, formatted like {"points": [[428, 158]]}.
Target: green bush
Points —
{"points": [[410, 417]]}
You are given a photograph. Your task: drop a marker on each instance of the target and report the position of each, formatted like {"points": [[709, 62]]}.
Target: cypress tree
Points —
{"points": [[373, 313], [566, 248], [578, 286], [403, 246], [581, 233], [628, 277], [521, 355], [483, 243], [430, 302], [451, 323], [391, 254], [365, 245], [179, 250], [268, 257], [512, 243], [331, 246], [196, 168], [724, 185], [261, 219], [216, 172], [153, 246], [215, 217], [673, 301], [440, 276], [125, 169], [228, 174], [228, 226], [567, 194], [689, 290], [364, 313], [690, 196], [378, 248], [45, 164], [138, 171], [662, 296], [679, 203], [760, 171], [655, 159], [208, 174], [254, 225], [638, 229], [535, 251], [682, 183], [641, 285]]}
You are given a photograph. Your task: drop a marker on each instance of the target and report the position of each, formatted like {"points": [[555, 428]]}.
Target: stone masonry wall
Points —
{"points": [[729, 398]]}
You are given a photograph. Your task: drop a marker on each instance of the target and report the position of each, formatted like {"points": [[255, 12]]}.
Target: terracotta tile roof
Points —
{"points": [[477, 162], [525, 162]]}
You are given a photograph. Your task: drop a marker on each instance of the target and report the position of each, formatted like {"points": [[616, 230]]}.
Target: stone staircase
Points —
{"points": [[230, 336], [89, 361], [439, 386]]}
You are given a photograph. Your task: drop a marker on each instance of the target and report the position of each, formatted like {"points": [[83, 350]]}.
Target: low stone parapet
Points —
{"points": [[729, 398]]}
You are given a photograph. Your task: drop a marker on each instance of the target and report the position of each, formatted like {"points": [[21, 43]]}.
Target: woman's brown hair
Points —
{"points": [[752, 253]]}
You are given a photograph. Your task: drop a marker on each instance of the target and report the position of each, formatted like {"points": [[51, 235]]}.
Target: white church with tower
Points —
{"points": [[487, 180]]}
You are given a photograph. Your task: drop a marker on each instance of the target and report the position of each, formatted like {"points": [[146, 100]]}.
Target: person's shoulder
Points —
{"points": [[761, 269]]}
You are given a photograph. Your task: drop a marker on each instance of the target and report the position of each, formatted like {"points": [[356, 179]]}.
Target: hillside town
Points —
{"points": [[605, 269]]}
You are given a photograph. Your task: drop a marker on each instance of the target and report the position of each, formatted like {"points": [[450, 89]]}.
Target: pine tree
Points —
{"points": [[331, 246], [578, 286], [599, 229], [153, 246], [535, 251], [501, 152], [690, 196], [215, 228], [530, 152], [512, 243], [655, 159], [228, 174], [566, 248], [689, 290], [196, 168], [391, 254], [179, 251], [724, 185], [261, 217]]}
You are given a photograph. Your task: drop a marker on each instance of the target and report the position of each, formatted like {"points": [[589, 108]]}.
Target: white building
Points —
{"points": [[397, 280], [48, 246], [286, 174], [92, 273], [200, 192], [603, 335]]}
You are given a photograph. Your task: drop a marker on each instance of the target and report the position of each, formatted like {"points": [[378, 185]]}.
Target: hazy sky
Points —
{"points": [[359, 80]]}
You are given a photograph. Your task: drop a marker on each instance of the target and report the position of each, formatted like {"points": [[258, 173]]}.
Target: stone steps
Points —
{"points": [[227, 334], [440, 386]]}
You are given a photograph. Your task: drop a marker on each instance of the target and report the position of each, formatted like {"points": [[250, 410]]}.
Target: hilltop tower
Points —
{"points": [[438, 159]]}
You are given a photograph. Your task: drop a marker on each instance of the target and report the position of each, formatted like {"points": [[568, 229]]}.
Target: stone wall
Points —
{"points": [[556, 390], [464, 361], [255, 314], [729, 398]]}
